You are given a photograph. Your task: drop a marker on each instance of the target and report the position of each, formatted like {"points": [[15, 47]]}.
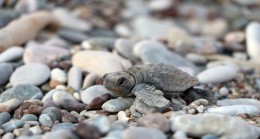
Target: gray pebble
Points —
{"points": [[45, 119], [240, 101], [11, 54], [13, 124], [21, 92], [92, 92], [72, 35], [60, 134], [4, 117], [63, 126], [235, 110], [209, 136], [89, 80], [143, 133], [8, 136], [53, 112], [5, 72], [10, 105], [75, 78], [119, 104], [29, 117], [101, 122]]}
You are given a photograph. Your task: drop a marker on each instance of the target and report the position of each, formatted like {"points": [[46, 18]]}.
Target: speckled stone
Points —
{"points": [[21, 92], [35, 74]]}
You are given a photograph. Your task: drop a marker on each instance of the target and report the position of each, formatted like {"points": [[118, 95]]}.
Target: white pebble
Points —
{"points": [[58, 75], [223, 91], [253, 39]]}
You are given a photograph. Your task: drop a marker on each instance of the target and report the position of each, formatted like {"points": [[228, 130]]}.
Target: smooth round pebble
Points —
{"points": [[223, 91], [53, 112], [21, 92], [11, 54], [143, 133], [60, 134], [29, 117], [4, 117], [58, 75], [61, 126], [209, 136], [75, 78], [5, 72], [45, 119], [89, 80], [92, 92], [119, 104], [253, 39], [196, 58], [35, 74], [101, 122], [8, 135], [9, 105], [13, 124]]}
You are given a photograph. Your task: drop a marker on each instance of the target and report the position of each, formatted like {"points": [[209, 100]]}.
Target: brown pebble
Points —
{"points": [[69, 118], [86, 131], [98, 101], [66, 65]]}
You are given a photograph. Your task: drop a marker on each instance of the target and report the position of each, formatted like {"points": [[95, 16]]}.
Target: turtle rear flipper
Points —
{"points": [[150, 96], [193, 94]]}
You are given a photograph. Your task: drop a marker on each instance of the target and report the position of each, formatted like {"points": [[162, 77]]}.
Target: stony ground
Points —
{"points": [[54, 54]]}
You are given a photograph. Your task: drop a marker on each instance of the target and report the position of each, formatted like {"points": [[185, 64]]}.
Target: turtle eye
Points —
{"points": [[121, 81]]}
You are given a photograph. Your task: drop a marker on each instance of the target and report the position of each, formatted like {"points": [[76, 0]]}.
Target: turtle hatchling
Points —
{"points": [[152, 85]]}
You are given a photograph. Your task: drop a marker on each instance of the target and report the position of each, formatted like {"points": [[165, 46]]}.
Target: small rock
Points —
{"points": [[179, 135], [39, 73], [71, 35], [5, 72], [216, 28], [54, 113], [58, 75], [98, 43], [217, 74], [235, 37], [240, 101], [252, 40], [119, 104], [8, 136], [92, 92], [160, 5], [67, 101], [9, 105], [101, 122], [124, 47], [143, 133], [49, 95], [98, 62], [60, 134], [69, 118], [11, 54], [224, 126], [45, 120], [223, 91], [209, 136], [13, 124], [98, 101], [21, 92], [196, 58], [37, 53], [4, 117], [62, 126], [36, 129], [235, 110], [93, 132], [89, 80], [155, 120], [122, 116], [75, 78], [29, 117]]}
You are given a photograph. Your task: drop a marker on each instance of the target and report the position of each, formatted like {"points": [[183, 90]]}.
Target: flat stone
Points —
{"points": [[21, 92], [5, 72], [37, 53], [13, 124], [89, 94], [67, 101], [8, 136], [29, 117], [60, 134], [252, 39], [224, 126], [101, 122], [152, 52], [98, 43], [217, 74], [143, 133], [63, 126], [119, 104], [4, 117], [235, 110], [90, 80], [45, 120], [11, 54], [124, 47], [98, 62], [239, 101], [9, 105], [75, 78], [35, 74], [71, 35]]}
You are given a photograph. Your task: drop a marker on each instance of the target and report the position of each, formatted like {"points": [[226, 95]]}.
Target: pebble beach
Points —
{"points": [[54, 54]]}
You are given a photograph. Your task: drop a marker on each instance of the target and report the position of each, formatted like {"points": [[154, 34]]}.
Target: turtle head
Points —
{"points": [[120, 83]]}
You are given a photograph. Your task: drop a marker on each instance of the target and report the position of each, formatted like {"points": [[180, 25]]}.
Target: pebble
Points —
{"points": [[62, 126], [58, 75], [160, 5], [71, 35], [144, 24], [90, 80], [217, 74], [67, 101], [224, 126], [216, 28], [45, 120], [124, 47], [9, 105], [155, 120], [60, 134], [123, 30], [119, 104], [93, 132], [196, 58], [63, 16], [179, 135], [69, 118], [101, 122], [235, 37], [98, 62], [37, 53], [49, 95], [75, 78], [36, 129], [89, 94], [21, 92], [121, 116], [209, 136], [5, 72], [240, 101], [143, 133], [29, 117], [223, 91], [252, 40], [54, 113], [4, 117], [11, 54], [98, 101], [8, 136], [13, 124], [39, 73], [206, 45], [98, 43], [152, 52]]}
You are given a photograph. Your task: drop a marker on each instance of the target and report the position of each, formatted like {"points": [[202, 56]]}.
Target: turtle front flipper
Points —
{"points": [[149, 95]]}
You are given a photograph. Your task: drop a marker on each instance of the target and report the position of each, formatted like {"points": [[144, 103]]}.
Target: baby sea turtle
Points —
{"points": [[151, 84]]}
